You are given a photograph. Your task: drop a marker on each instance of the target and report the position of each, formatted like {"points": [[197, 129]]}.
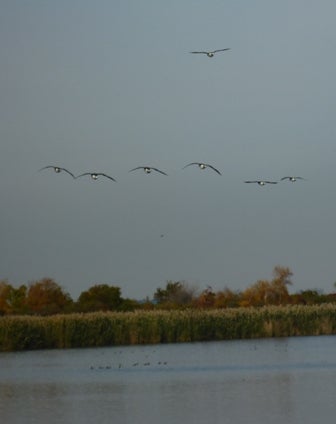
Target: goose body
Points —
{"points": [[262, 182], [95, 175], [292, 179], [202, 166], [148, 169], [58, 169], [210, 53]]}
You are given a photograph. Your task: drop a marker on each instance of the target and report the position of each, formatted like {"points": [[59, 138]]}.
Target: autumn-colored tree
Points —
{"points": [[207, 298], [227, 299], [280, 284], [46, 297], [272, 292], [257, 294], [100, 297]]}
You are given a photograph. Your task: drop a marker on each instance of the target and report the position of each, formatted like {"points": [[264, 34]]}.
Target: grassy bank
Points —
{"points": [[148, 327]]}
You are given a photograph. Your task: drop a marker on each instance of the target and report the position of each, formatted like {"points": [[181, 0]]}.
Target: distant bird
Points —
{"points": [[262, 182], [212, 53], [292, 179], [202, 165], [58, 169], [148, 169], [95, 175]]}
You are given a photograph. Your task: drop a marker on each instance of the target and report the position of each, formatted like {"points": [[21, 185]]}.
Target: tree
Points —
{"points": [[46, 297], [100, 297], [12, 300], [227, 299], [280, 283], [207, 298], [258, 294], [272, 292], [175, 294]]}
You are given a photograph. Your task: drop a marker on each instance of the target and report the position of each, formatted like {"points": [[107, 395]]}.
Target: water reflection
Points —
{"points": [[279, 380]]}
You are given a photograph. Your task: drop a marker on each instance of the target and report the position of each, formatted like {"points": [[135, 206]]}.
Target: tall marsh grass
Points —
{"points": [[149, 327]]}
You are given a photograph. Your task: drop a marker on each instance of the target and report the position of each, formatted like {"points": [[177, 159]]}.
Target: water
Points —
{"points": [[278, 381]]}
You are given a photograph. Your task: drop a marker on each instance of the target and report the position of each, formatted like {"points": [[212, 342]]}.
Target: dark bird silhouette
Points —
{"points": [[262, 182], [292, 179], [95, 175], [58, 169], [212, 53], [148, 169], [202, 165]]}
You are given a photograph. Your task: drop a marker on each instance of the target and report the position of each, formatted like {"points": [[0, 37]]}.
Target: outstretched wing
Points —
{"points": [[138, 167], [192, 163], [199, 52], [70, 173], [251, 182], [286, 178], [212, 167], [271, 182], [107, 176], [46, 167], [85, 173], [158, 170], [220, 50]]}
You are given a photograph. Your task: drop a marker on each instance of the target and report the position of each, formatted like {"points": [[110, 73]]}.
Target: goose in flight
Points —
{"points": [[212, 53], [58, 169], [95, 175], [292, 179], [148, 169], [262, 182], [202, 165]]}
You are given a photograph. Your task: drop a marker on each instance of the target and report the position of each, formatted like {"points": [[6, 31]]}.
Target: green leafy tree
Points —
{"points": [[100, 297], [12, 300], [175, 294], [310, 297]]}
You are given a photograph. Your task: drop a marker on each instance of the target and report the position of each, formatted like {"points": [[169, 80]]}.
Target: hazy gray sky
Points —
{"points": [[110, 85]]}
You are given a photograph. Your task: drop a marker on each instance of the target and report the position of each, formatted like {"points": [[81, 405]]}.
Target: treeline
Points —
{"points": [[46, 297]]}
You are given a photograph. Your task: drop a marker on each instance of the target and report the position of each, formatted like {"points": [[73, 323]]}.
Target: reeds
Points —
{"points": [[150, 327]]}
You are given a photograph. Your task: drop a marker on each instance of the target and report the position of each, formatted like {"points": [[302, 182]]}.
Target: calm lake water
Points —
{"points": [[277, 381]]}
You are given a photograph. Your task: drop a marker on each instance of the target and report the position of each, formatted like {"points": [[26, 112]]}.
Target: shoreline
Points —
{"points": [[98, 329]]}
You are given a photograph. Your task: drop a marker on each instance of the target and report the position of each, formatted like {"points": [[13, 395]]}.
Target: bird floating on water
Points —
{"points": [[148, 169], [292, 179], [202, 165], [95, 175], [211, 53], [262, 182], [58, 169]]}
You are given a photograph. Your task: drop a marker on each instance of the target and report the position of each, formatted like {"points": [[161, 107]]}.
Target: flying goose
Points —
{"points": [[262, 182], [202, 165], [58, 169], [95, 175], [148, 169], [212, 53], [292, 179]]}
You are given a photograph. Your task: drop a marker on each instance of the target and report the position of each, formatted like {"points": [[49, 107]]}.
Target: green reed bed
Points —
{"points": [[149, 327]]}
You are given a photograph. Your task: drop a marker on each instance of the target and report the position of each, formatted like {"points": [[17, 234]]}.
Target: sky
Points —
{"points": [[108, 86]]}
